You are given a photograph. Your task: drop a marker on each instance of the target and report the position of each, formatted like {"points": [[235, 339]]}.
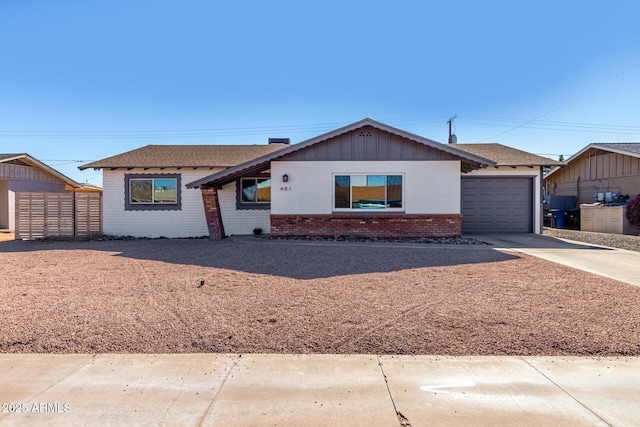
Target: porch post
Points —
{"points": [[212, 213]]}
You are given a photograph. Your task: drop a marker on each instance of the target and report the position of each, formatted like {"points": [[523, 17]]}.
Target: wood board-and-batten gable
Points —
{"points": [[361, 141], [15, 171], [23, 167], [367, 144]]}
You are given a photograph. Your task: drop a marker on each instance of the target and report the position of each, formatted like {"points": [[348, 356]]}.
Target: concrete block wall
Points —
{"points": [[189, 221], [240, 222]]}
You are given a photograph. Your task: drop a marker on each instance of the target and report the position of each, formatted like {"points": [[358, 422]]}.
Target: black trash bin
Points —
{"points": [[573, 219]]}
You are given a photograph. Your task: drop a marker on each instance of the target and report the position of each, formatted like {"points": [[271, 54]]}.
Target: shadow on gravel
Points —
{"points": [[282, 259]]}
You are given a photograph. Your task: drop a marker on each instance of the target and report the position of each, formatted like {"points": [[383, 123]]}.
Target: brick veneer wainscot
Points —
{"points": [[212, 213], [367, 225]]}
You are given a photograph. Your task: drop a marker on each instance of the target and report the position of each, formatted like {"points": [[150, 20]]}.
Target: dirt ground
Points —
{"points": [[174, 296]]}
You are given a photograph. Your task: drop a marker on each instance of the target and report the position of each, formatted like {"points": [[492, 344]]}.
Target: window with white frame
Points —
{"points": [[368, 192], [152, 191]]}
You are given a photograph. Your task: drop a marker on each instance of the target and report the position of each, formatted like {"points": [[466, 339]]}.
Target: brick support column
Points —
{"points": [[212, 213]]}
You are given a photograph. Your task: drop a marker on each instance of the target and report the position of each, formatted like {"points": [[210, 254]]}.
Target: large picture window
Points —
{"points": [[368, 192], [152, 192]]}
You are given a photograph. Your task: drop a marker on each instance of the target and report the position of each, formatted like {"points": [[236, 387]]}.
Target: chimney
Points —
{"points": [[279, 141]]}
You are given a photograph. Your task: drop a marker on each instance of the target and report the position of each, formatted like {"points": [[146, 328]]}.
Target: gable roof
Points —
{"points": [[25, 159], [470, 161], [9, 156], [625, 148], [13, 158], [179, 156], [507, 156]]}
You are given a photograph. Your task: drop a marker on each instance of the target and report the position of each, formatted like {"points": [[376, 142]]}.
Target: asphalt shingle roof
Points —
{"points": [[507, 156], [630, 147], [9, 156], [168, 156]]}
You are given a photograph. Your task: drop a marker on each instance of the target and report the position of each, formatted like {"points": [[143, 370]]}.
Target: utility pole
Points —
{"points": [[451, 135]]}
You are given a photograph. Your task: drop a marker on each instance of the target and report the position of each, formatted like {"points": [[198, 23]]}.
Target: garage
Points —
{"points": [[497, 205]]}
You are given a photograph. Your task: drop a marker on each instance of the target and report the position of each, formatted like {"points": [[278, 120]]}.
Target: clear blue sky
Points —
{"points": [[84, 80]]}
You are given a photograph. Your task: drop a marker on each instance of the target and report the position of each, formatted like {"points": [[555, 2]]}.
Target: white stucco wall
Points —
{"points": [[520, 171], [189, 221], [430, 187], [242, 221]]}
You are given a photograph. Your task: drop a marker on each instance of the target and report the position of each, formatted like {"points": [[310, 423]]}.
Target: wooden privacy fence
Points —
{"points": [[42, 214]]}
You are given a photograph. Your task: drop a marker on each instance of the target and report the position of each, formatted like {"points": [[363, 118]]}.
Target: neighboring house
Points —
{"points": [[21, 172], [364, 179], [597, 168]]}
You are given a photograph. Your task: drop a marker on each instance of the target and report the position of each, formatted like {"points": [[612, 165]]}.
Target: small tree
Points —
{"points": [[549, 169], [633, 210]]}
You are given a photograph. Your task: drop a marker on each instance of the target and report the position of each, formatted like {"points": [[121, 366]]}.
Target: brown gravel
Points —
{"points": [[621, 241], [283, 297]]}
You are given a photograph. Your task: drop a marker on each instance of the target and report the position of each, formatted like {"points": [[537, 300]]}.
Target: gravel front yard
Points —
{"points": [[283, 297], [621, 241]]}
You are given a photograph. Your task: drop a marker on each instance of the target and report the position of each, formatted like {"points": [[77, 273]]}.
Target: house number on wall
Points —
{"points": [[285, 188]]}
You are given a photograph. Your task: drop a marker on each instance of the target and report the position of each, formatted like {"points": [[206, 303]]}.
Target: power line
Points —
{"points": [[564, 104], [242, 128], [65, 160], [612, 131], [550, 122], [186, 133]]}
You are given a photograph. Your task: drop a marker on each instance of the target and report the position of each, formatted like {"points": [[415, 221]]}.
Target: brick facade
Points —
{"points": [[367, 225], [212, 213]]}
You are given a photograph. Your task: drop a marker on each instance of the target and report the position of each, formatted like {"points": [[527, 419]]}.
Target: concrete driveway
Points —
{"points": [[618, 264]]}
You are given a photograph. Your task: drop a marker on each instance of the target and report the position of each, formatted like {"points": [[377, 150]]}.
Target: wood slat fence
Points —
{"points": [[41, 214]]}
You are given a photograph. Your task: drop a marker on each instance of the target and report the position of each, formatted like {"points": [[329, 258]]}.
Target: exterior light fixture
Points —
{"points": [[285, 178]]}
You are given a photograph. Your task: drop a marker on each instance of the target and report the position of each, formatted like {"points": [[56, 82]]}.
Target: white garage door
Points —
{"points": [[497, 205]]}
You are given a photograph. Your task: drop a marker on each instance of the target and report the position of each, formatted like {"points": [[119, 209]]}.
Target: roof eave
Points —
{"points": [[89, 166], [532, 165], [231, 172], [604, 148], [612, 150], [227, 176]]}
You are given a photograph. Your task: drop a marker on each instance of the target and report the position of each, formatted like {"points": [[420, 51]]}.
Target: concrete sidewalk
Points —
{"points": [[294, 390], [618, 264]]}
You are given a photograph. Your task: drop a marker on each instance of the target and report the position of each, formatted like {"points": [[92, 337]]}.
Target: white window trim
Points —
{"points": [[340, 210]]}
